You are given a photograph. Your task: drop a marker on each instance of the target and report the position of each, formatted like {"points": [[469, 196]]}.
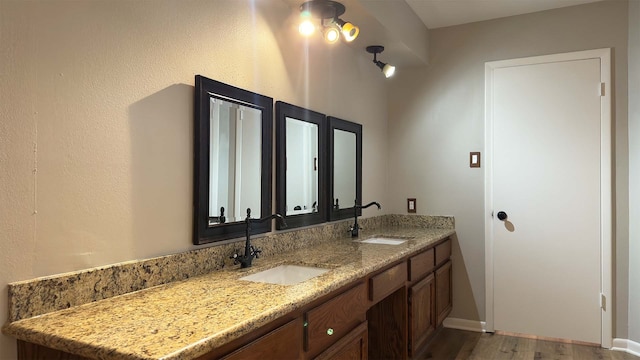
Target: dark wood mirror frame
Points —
{"points": [[336, 123], [205, 88], [284, 110]]}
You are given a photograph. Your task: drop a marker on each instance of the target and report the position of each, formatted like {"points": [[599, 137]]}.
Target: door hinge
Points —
{"points": [[602, 88], [603, 302]]}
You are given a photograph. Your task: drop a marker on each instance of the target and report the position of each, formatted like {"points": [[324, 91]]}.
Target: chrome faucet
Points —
{"points": [[251, 252], [355, 227]]}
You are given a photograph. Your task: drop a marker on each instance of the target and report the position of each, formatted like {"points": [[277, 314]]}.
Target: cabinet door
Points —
{"points": [[422, 318], [353, 346], [443, 292], [284, 342]]}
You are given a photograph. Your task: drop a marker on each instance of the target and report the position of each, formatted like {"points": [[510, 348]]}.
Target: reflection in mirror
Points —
{"points": [[235, 161], [232, 170], [345, 167], [301, 160], [302, 166]]}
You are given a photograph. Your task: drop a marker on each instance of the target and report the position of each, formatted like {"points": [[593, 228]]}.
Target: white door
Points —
{"points": [[546, 180]]}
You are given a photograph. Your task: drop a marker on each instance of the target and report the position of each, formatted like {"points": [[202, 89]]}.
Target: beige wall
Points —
{"points": [[634, 170], [97, 96], [436, 117]]}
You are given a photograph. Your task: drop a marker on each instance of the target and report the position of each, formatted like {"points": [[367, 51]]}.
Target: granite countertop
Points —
{"points": [[186, 319]]}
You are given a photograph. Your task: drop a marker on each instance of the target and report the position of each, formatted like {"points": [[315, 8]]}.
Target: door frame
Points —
{"points": [[606, 185]]}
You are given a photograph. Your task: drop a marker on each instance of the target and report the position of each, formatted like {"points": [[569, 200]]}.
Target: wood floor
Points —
{"points": [[460, 345]]}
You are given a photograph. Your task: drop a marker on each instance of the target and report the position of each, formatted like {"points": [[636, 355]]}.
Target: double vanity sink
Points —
{"points": [[217, 312]]}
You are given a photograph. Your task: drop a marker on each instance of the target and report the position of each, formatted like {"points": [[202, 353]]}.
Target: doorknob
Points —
{"points": [[502, 215]]}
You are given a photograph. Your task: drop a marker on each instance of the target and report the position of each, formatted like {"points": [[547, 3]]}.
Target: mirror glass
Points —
{"points": [[234, 174], [345, 167], [232, 170], [301, 158], [302, 167]]}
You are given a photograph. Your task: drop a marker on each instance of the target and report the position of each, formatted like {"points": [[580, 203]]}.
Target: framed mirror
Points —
{"points": [[232, 169], [301, 165], [344, 168]]}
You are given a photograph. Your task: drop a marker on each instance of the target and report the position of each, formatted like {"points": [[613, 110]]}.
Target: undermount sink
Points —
{"points": [[384, 241], [285, 274]]}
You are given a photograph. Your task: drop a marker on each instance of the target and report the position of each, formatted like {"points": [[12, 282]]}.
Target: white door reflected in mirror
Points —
{"points": [[302, 166], [235, 161], [344, 169]]}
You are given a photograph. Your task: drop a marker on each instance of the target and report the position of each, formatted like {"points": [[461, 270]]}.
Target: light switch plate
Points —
{"points": [[474, 159], [411, 205]]}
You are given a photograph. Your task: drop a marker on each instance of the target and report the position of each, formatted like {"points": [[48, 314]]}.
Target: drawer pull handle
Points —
{"points": [[329, 331]]}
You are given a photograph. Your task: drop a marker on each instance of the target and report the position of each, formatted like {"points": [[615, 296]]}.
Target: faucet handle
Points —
{"points": [[255, 251], [234, 257]]}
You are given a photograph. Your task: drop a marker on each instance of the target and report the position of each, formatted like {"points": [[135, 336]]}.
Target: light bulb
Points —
{"points": [[331, 34], [388, 70], [306, 27]]}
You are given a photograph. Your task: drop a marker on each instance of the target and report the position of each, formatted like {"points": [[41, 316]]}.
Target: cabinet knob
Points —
{"points": [[329, 331]]}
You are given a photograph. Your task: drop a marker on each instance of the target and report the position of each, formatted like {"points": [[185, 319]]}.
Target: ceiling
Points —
{"points": [[401, 26], [441, 13]]}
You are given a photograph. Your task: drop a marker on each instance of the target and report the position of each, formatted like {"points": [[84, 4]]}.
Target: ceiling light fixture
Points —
{"points": [[387, 70], [328, 12]]}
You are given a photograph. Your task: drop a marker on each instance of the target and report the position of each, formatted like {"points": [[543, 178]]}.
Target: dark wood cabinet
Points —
{"points": [[429, 294], [422, 315], [444, 300]]}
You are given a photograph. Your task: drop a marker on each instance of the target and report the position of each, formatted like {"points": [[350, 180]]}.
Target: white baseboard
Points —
{"points": [[464, 324], [626, 345]]}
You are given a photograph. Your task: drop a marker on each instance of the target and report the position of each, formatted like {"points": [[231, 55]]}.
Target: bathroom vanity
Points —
{"points": [[376, 301]]}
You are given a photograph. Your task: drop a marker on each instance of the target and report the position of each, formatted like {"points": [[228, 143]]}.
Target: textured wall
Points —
{"points": [[437, 118], [97, 112]]}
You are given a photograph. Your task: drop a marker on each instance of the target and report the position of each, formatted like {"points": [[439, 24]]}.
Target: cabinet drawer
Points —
{"points": [[443, 252], [332, 320], [282, 343], [351, 347], [421, 264], [386, 282]]}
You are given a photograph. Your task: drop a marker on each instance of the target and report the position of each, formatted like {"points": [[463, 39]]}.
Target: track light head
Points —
{"points": [[387, 69], [331, 33], [349, 31]]}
